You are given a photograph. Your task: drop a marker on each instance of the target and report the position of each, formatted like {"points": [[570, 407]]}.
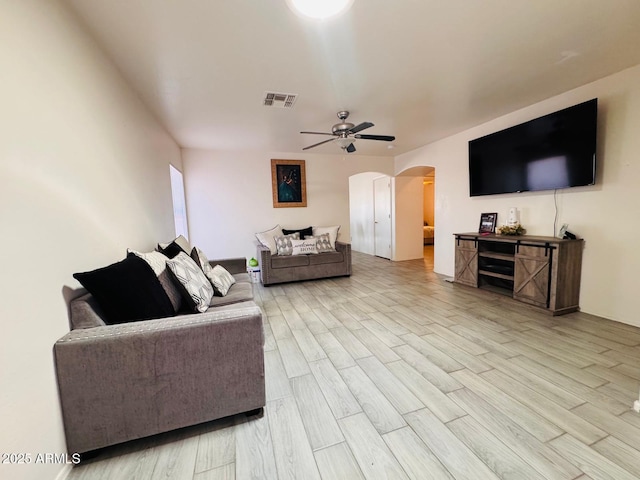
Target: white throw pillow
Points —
{"points": [[195, 286], [267, 238], [221, 280], [304, 247], [332, 231]]}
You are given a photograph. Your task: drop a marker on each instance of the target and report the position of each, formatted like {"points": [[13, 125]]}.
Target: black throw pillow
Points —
{"points": [[172, 250], [127, 291], [304, 232]]}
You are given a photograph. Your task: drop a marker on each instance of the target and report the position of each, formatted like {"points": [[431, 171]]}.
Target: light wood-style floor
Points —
{"points": [[396, 373]]}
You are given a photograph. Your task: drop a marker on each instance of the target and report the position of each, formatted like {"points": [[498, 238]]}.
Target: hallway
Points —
{"points": [[428, 257]]}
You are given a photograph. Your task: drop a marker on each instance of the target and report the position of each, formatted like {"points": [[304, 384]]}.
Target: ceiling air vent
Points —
{"points": [[281, 100]]}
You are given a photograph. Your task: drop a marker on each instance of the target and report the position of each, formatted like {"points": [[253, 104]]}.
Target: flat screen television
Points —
{"points": [[547, 153]]}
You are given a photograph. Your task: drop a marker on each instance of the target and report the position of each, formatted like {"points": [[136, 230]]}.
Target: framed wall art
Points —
{"points": [[288, 183]]}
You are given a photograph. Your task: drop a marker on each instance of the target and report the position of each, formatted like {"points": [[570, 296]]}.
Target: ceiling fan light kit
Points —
{"points": [[344, 142], [346, 133]]}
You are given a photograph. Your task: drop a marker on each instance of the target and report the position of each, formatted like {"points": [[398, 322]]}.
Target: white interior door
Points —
{"points": [[382, 216]]}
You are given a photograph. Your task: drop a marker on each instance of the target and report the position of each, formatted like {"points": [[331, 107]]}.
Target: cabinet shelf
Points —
{"points": [[497, 289], [495, 274], [499, 256]]}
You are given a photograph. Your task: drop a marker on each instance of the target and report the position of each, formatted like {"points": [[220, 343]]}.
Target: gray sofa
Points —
{"points": [[291, 268], [127, 381]]}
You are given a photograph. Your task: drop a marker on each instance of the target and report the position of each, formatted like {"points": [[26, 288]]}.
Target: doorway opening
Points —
{"points": [[366, 209], [428, 213], [382, 228], [387, 214]]}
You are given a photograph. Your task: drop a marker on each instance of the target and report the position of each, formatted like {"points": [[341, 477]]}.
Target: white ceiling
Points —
{"points": [[418, 69]]}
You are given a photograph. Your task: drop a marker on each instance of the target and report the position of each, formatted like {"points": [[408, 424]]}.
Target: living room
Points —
{"points": [[85, 175]]}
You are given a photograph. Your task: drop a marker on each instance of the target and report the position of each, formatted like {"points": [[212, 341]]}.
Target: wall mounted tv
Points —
{"points": [[550, 152]]}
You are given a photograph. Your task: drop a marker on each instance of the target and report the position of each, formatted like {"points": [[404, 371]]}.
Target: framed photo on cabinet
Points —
{"points": [[488, 223]]}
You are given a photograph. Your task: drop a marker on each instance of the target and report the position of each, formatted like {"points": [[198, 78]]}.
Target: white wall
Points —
{"points": [[407, 213], [83, 175], [604, 214], [229, 196]]}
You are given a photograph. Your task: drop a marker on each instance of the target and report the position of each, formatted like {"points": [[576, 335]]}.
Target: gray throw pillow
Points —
{"points": [[283, 243], [332, 231], [323, 243]]}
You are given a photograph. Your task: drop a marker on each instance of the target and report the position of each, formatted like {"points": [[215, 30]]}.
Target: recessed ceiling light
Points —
{"points": [[319, 9]]}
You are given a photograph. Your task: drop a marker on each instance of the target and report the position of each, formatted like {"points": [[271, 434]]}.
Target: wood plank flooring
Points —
{"points": [[396, 373]]}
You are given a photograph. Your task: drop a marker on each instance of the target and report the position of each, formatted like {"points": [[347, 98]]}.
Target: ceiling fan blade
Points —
{"points": [[350, 148], [319, 133], [385, 138], [319, 143], [362, 126]]}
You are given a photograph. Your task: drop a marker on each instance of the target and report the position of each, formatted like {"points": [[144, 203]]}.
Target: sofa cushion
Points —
{"points": [[326, 257], [221, 280], [158, 263], [304, 232], [242, 277], [289, 261], [266, 238], [239, 292], [192, 282], [126, 291]]}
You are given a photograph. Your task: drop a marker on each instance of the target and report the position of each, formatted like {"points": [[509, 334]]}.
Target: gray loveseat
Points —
{"points": [[290, 268], [131, 380]]}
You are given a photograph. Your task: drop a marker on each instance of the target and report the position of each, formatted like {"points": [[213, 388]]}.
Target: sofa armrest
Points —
{"points": [[263, 252], [264, 257], [232, 265], [343, 247], [127, 381]]}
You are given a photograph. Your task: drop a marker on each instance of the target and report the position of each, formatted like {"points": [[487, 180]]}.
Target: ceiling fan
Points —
{"points": [[346, 133]]}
